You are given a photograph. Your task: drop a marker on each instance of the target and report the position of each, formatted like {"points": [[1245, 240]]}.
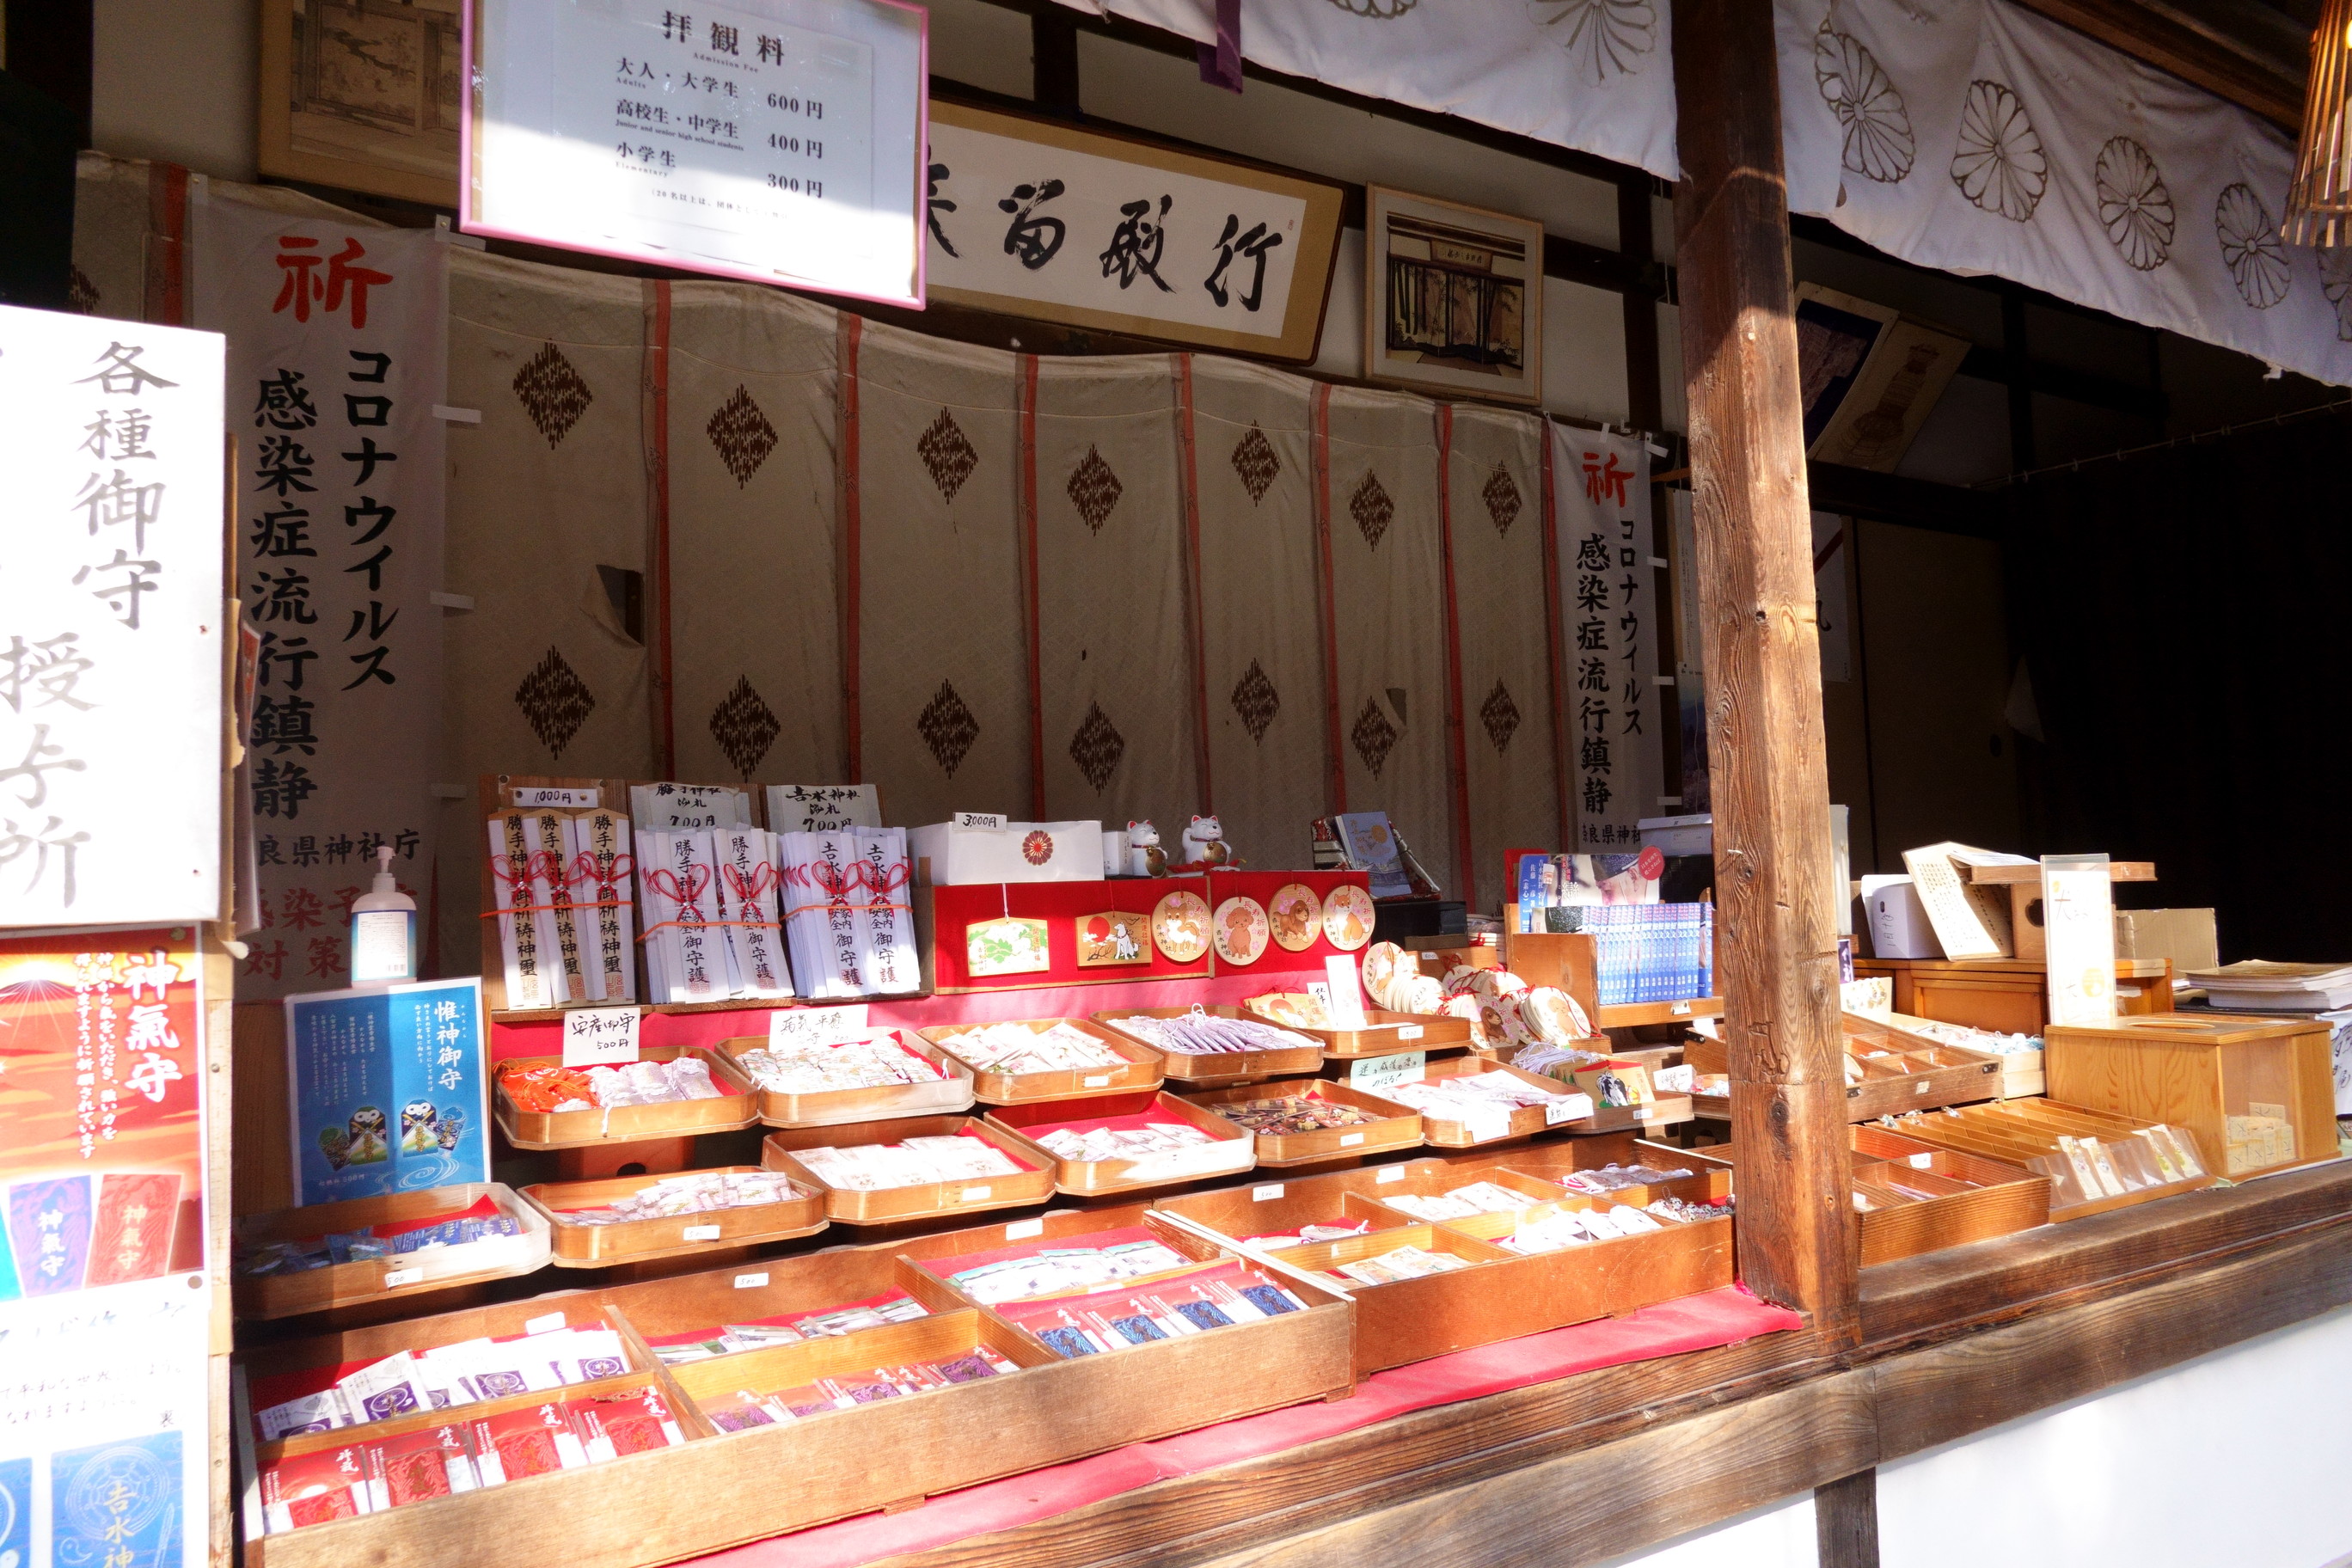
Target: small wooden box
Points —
{"points": [[926, 1200], [1388, 1033], [807, 1283], [1556, 1161], [1395, 1126], [2007, 996], [1233, 1150], [1227, 1067], [576, 1246], [1276, 1208], [1526, 1122], [343, 1285], [2224, 1079], [1902, 1072], [734, 1108], [2024, 1133], [832, 1108], [1140, 1067], [1610, 1278]]}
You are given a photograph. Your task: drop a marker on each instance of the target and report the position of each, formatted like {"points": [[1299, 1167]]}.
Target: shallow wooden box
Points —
{"points": [[1610, 1278], [445, 1530], [1395, 1127], [348, 1285], [834, 1107], [1141, 1066], [1234, 1151], [1227, 1067], [1389, 1033], [1275, 1208], [1436, 1178], [1911, 1072], [577, 1246], [1555, 1161], [629, 1123], [2020, 1071], [1526, 1122], [746, 1293], [2024, 1133], [926, 1200], [2198, 1072]]}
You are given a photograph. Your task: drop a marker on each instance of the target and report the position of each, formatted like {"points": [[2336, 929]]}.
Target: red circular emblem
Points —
{"points": [[1037, 849], [1652, 864]]}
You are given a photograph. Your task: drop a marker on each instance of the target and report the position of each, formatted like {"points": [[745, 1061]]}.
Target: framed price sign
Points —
{"points": [[775, 141]]}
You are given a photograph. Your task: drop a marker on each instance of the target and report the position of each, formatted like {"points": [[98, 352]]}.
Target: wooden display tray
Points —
{"points": [[1552, 1162], [1229, 1068], [1526, 1122], [2198, 1072], [2022, 1075], [1610, 1278], [1142, 1067], [807, 1283], [343, 1285], [926, 1200], [1274, 1208], [1389, 1033], [1435, 1178], [540, 1130], [834, 1107], [2020, 1131], [1397, 1127], [1915, 1072], [576, 1246], [1234, 1151]]}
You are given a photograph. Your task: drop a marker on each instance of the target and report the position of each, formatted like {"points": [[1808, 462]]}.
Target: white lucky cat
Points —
{"points": [[1145, 858], [1204, 843]]}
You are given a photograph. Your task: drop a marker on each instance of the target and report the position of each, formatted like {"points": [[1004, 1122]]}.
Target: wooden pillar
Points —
{"points": [[1846, 1521], [1776, 936]]}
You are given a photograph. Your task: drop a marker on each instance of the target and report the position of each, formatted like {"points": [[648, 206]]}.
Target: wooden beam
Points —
{"points": [[1767, 759], [1053, 61], [1846, 1521], [2222, 61], [1913, 503]]}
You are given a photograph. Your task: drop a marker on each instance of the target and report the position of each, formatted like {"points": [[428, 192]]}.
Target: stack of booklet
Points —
{"points": [[2257, 984]]}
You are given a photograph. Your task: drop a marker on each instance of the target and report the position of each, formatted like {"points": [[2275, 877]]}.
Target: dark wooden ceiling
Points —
{"points": [[2255, 53]]}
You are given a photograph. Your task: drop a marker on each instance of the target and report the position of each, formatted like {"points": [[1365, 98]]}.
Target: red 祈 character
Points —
{"points": [[1604, 484], [299, 256]]}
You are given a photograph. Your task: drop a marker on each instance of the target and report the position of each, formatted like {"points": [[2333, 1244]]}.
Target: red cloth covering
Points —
{"points": [[1671, 1328]]}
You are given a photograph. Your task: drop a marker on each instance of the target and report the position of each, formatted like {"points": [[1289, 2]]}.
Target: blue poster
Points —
{"points": [[15, 1513], [389, 1091], [117, 1505]]}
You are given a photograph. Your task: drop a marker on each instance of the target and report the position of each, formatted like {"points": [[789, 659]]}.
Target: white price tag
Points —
{"points": [[600, 1037], [974, 1194], [1099, 1080], [1680, 1010], [1347, 991], [699, 1232], [1411, 1031], [1389, 1173], [551, 1322], [751, 1281], [1271, 1191], [394, 1278], [568, 799], [1023, 1229], [817, 1025], [980, 819], [1349, 1140], [1374, 1074], [1921, 1162], [1562, 1108]]}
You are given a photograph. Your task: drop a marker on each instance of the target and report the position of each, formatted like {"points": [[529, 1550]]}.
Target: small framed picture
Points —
{"points": [[1453, 297]]}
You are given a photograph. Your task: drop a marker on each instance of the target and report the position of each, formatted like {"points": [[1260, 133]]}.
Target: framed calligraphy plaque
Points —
{"points": [[1046, 219]]}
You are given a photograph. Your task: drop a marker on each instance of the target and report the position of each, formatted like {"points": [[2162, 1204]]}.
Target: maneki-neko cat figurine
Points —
{"points": [[1204, 843], [1145, 858]]}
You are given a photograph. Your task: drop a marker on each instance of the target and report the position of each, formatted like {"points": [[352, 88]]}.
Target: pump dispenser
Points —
{"points": [[383, 928]]}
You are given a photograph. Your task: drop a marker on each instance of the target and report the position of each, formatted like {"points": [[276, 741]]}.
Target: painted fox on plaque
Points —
{"points": [[1114, 937]]}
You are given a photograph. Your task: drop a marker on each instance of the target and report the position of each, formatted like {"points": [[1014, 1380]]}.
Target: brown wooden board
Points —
{"points": [[1141, 1066], [925, 1200], [733, 1109], [577, 1246], [831, 1108], [1394, 1126]]}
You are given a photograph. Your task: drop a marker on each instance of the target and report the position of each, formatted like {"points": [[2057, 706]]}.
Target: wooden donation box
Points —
{"points": [[2258, 1093]]}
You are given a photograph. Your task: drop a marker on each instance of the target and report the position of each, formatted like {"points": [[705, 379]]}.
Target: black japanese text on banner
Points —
{"points": [[335, 362], [1609, 634], [110, 621]]}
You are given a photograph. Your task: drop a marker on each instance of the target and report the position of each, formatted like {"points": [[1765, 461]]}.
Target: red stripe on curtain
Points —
{"points": [[657, 437], [1027, 480], [1555, 640], [848, 496], [1189, 476], [165, 284], [1319, 443], [1457, 758]]}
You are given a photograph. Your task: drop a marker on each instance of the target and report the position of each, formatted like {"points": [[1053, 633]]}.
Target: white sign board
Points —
{"points": [[2078, 921], [823, 809], [778, 140], [110, 621], [600, 1037], [1609, 609]]}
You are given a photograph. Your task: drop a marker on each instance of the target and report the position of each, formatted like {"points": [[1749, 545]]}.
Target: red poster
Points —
{"points": [[101, 1142]]}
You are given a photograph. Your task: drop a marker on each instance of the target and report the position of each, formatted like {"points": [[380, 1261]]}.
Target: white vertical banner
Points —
{"points": [[336, 363], [110, 621], [1608, 598]]}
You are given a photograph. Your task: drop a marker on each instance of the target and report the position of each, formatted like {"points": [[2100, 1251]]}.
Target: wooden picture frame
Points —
{"points": [[1103, 260], [1453, 297], [362, 95]]}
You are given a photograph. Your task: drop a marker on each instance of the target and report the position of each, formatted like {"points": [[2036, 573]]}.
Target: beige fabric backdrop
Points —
{"points": [[755, 640], [1495, 483], [942, 638], [541, 677], [1261, 607], [1119, 735], [1389, 599]]}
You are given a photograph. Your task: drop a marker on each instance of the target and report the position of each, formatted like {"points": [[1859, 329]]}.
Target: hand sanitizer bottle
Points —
{"points": [[383, 928]]}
